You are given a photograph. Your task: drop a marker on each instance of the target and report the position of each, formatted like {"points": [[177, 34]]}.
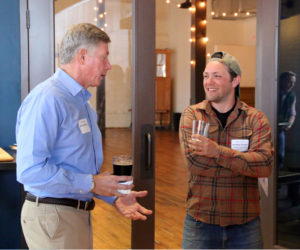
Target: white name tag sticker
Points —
{"points": [[241, 145], [84, 126]]}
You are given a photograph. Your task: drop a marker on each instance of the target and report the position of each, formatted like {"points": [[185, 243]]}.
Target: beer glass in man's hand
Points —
{"points": [[123, 166]]}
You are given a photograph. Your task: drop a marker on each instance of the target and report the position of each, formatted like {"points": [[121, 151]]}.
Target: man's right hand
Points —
{"points": [[107, 184]]}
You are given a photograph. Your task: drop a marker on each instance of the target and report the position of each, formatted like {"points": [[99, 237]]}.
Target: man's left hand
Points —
{"points": [[130, 208]]}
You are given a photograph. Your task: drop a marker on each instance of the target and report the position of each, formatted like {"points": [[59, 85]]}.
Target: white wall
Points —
{"points": [[173, 32], [237, 38]]}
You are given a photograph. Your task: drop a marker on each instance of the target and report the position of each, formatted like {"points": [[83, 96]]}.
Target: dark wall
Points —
{"points": [[10, 95], [289, 60], [10, 87]]}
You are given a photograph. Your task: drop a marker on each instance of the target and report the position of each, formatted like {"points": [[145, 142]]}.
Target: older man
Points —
{"points": [[60, 149], [223, 197]]}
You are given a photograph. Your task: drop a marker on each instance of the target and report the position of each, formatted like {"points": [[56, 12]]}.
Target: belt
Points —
{"points": [[85, 205]]}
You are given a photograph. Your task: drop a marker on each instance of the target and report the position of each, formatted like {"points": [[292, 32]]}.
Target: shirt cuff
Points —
{"points": [[108, 199], [225, 157], [83, 183]]}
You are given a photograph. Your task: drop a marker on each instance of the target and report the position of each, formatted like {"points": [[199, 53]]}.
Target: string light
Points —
{"points": [[178, 5], [212, 13], [235, 14], [208, 54], [203, 22], [192, 9], [192, 62], [167, 1], [202, 4], [192, 40], [100, 1], [204, 39], [105, 25], [193, 28], [95, 8], [224, 14], [95, 19], [248, 13], [104, 13]]}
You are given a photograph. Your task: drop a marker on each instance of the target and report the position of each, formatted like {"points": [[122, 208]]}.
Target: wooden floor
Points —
{"points": [[110, 229]]}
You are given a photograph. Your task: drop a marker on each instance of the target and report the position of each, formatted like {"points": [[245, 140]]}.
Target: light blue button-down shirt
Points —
{"points": [[59, 143]]}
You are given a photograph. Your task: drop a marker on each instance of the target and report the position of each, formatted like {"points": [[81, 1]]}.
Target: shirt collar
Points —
{"points": [[71, 85], [206, 106]]}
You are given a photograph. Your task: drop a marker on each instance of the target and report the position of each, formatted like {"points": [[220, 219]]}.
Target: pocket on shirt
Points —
{"points": [[243, 133]]}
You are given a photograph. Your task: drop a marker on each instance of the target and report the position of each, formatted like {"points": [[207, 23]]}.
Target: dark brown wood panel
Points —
{"points": [[247, 95]]}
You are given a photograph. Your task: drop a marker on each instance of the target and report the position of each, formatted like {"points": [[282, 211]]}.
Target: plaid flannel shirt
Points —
{"points": [[224, 190]]}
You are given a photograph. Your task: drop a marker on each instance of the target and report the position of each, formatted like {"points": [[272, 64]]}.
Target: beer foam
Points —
{"points": [[123, 162]]}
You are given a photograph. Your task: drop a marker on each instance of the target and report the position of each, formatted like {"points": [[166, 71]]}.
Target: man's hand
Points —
{"points": [[130, 208], [108, 185], [204, 146]]}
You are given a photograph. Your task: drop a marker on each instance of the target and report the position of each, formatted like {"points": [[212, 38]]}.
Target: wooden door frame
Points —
{"points": [[266, 85], [143, 107]]}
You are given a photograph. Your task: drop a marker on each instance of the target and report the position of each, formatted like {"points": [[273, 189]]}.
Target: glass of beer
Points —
{"points": [[122, 165], [200, 127]]}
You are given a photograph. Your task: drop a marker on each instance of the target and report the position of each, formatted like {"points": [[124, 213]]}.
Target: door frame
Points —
{"points": [[267, 40], [143, 107]]}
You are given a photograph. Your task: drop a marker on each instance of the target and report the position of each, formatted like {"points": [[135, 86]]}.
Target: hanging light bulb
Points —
{"points": [[212, 13], [100, 1], [193, 28], [168, 1], [224, 14], [235, 14], [95, 8]]}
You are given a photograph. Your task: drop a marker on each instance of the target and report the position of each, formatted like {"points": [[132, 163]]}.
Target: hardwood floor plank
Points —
{"points": [[110, 229]]}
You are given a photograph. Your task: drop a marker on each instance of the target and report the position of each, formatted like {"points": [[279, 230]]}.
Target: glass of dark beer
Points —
{"points": [[122, 165]]}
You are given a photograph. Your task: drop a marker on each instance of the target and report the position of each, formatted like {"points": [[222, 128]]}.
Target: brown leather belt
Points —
{"points": [[85, 205]]}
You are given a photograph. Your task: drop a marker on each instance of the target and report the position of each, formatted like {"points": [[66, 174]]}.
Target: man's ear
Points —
{"points": [[81, 56], [236, 81]]}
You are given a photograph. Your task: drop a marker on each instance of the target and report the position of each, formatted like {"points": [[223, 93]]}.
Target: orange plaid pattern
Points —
{"points": [[224, 191]]}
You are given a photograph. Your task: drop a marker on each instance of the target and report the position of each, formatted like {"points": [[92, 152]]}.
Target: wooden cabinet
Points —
{"points": [[163, 88]]}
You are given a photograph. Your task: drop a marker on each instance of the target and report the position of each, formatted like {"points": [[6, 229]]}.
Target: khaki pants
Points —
{"points": [[48, 226]]}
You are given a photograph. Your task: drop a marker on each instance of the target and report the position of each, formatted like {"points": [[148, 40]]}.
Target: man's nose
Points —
{"points": [[208, 79], [108, 65]]}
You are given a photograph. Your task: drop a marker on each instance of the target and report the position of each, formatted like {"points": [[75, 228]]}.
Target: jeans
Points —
{"points": [[198, 235]]}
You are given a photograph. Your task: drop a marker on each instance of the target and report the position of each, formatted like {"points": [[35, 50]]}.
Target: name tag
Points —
{"points": [[241, 145], [84, 126]]}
